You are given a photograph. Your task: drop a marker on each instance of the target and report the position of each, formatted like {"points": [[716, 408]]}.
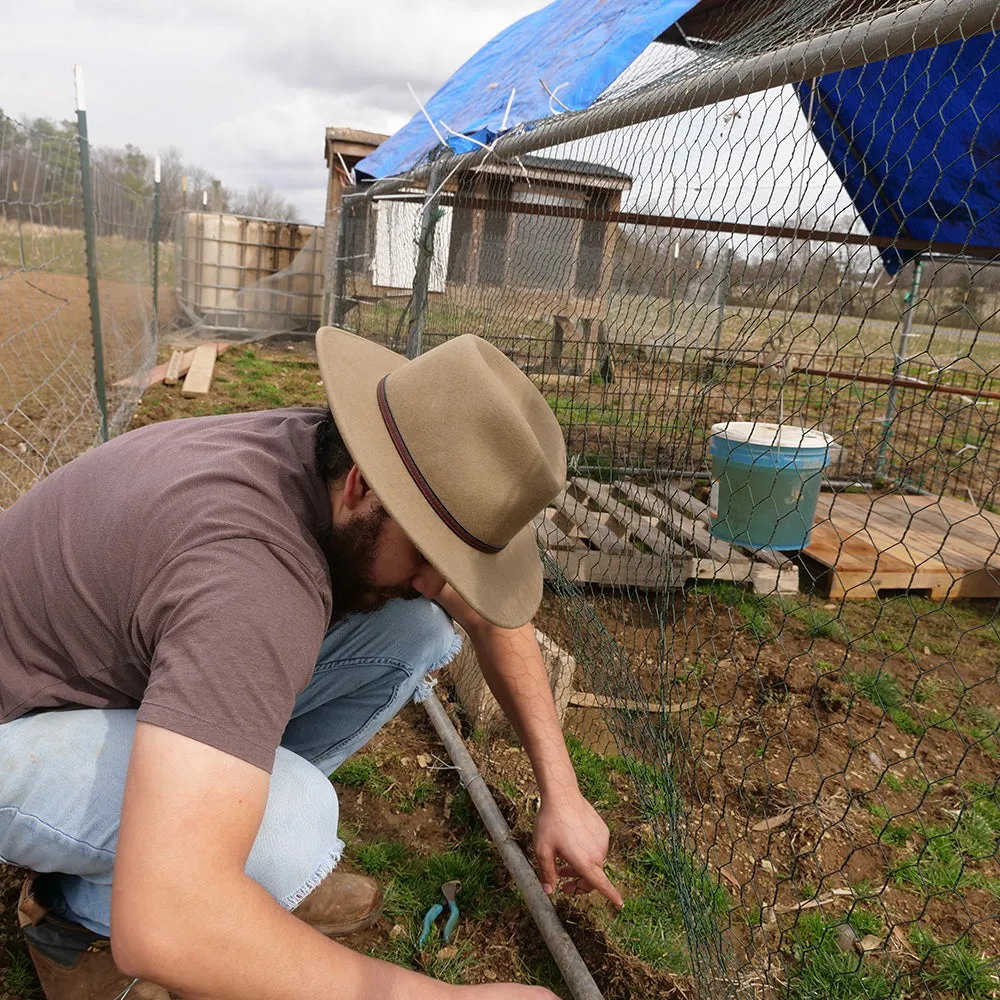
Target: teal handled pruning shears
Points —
{"points": [[449, 891]]}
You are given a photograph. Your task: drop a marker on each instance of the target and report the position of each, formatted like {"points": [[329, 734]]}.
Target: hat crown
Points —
{"points": [[479, 435]]}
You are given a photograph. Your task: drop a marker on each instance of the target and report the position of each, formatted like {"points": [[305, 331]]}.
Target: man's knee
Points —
{"points": [[61, 794], [297, 842], [426, 635]]}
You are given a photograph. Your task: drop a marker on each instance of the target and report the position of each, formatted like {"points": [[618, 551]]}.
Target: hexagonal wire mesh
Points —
{"points": [[49, 403], [796, 737]]}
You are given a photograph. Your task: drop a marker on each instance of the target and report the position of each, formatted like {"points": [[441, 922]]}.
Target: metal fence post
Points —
{"points": [[425, 257], [899, 360], [340, 262], [156, 245], [724, 262], [91, 250]]}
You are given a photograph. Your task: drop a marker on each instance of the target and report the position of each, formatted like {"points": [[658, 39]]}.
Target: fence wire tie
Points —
{"points": [[423, 111], [552, 96], [506, 114]]}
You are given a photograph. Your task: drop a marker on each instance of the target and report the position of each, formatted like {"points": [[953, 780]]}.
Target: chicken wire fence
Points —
{"points": [[796, 740], [59, 296]]}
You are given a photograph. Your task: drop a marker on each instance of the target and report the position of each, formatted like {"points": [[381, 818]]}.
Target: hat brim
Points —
{"points": [[504, 587]]}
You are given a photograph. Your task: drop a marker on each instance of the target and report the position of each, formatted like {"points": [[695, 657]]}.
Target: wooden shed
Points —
{"points": [[501, 231]]}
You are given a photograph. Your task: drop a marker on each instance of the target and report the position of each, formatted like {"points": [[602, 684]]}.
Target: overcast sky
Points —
{"points": [[244, 88]]}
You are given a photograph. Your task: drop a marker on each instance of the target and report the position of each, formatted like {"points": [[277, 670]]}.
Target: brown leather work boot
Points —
{"points": [[341, 904], [72, 962]]}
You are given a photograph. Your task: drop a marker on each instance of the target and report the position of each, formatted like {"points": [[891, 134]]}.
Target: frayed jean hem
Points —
{"points": [[425, 686], [292, 900]]}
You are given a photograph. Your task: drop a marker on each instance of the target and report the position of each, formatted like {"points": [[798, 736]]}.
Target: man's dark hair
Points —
{"points": [[333, 460]]}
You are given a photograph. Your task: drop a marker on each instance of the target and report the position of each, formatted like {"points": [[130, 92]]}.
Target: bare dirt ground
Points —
{"points": [[47, 385]]}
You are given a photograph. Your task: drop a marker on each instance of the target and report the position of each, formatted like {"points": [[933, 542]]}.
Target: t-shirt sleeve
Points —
{"points": [[233, 629]]}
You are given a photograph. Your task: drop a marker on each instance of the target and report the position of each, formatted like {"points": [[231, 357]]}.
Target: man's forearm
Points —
{"points": [[514, 669], [235, 942]]}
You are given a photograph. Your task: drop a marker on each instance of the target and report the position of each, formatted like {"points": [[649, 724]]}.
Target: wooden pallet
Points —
{"points": [[868, 545], [626, 535]]}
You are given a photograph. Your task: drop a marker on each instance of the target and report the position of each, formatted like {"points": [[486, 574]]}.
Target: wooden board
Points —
{"points": [[941, 546], [199, 377], [700, 511], [173, 373], [549, 535], [576, 519], [585, 699], [475, 696], [625, 535], [158, 373]]}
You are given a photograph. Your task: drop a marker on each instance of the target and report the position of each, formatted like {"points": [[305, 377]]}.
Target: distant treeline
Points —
{"points": [[40, 179]]}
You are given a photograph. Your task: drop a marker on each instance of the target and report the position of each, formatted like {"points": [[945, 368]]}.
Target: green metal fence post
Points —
{"points": [[91, 251], [425, 257], [156, 245], [900, 359]]}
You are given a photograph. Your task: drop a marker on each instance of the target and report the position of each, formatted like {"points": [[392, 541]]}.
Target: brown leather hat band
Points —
{"points": [[425, 488]]}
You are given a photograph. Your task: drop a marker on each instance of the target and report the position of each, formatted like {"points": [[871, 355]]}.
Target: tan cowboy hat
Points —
{"points": [[462, 450]]}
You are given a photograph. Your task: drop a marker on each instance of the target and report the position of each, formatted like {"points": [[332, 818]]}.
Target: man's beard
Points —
{"points": [[351, 551]]}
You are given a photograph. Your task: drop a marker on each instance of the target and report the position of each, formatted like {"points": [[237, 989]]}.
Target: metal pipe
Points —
{"points": [[933, 22], [897, 367], [578, 978], [156, 247], [340, 269], [889, 380], [91, 250]]}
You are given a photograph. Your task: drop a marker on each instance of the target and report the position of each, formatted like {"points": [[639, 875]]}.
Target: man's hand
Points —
{"points": [[568, 827]]}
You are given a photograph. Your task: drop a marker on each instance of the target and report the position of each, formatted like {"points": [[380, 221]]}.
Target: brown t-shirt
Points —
{"points": [[177, 568]]}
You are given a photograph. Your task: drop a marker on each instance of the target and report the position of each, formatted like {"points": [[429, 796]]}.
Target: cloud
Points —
{"points": [[242, 88], [342, 53]]}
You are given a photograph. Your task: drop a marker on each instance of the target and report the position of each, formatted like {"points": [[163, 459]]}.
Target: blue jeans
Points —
{"points": [[62, 774]]}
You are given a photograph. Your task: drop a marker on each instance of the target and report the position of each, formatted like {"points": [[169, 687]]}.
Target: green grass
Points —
{"points": [[673, 905], [819, 623], [412, 880], [19, 976], [878, 686], [824, 972], [656, 790], [61, 251], [377, 857], [894, 834], [420, 795], [982, 726], [755, 611], [363, 771], [463, 812], [882, 690], [956, 968], [593, 774], [905, 721], [901, 624], [946, 860]]}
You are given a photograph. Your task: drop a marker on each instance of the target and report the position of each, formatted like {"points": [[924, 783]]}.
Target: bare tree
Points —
{"points": [[263, 202]]}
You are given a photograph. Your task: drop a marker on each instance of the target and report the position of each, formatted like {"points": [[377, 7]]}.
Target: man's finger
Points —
{"points": [[547, 866], [603, 885]]}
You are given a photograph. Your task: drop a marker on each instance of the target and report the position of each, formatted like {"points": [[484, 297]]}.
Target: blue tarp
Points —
{"points": [[578, 47], [916, 141]]}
